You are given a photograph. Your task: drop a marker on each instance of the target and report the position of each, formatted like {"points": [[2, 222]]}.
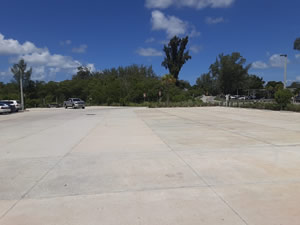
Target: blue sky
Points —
{"points": [[56, 36]]}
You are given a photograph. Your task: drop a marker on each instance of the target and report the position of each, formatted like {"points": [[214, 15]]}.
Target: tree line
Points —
{"points": [[229, 74]]}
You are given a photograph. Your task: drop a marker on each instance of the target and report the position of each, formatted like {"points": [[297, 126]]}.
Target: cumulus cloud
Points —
{"points": [[38, 73], [66, 42], [13, 47], [259, 65], [80, 49], [51, 60], [150, 40], [277, 61], [44, 63], [216, 20], [91, 67], [199, 4], [171, 25], [194, 32], [4, 73], [195, 48], [149, 52]]}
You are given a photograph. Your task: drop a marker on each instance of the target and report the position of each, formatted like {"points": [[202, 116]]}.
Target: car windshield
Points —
{"points": [[76, 99]]}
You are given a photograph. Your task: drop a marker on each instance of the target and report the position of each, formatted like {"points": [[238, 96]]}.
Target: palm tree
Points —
{"points": [[21, 76]]}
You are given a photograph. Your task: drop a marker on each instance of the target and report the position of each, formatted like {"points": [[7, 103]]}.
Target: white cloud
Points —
{"points": [[297, 56], [195, 48], [194, 32], [259, 65], [298, 78], [38, 73], [199, 4], [44, 63], [172, 25], [50, 60], [13, 47], [274, 61], [149, 52], [4, 74], [66, 42], [91, 67], [277, 61], [150, 40], [80, 49], [216, 20]]}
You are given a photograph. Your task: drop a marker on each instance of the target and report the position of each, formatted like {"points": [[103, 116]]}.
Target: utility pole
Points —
{"points": [[285, 69], [21, 89]]}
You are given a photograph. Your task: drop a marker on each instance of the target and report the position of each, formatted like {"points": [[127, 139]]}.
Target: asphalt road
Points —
{"points": [[138, 166]]}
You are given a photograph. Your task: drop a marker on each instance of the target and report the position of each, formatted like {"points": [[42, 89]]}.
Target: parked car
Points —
{"points": [[15, 103], [12, 104], [4, 108], [74, 103], [242, 98], [234, 96], [297, 98]]}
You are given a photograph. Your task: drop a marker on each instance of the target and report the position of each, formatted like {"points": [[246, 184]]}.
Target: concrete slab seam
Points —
{"points": [[48, 171], [201, 178]]}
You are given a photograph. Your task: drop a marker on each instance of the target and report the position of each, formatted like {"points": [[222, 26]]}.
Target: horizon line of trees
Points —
{"points": [[229, 74]]}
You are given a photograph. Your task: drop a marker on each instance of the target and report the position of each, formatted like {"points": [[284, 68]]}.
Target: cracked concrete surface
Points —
{"points": [[133, 166]]}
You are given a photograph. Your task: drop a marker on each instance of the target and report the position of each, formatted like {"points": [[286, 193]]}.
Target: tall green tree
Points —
{"points": [[297, 44], [176, 56], [231, 72], [22, 77], [272, 87], [207, 83], [20, 70], [83, 73], [168, 80], [254, 82]]}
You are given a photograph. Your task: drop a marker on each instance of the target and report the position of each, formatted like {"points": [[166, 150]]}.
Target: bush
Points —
{"points": [[294, 108], [283, 98], [188, 103]]}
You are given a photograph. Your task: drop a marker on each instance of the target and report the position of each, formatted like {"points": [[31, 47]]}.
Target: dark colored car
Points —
{"points": [[297, 98]]}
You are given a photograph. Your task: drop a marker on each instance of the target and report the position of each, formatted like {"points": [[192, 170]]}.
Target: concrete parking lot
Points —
{"points": [[138, 166]]}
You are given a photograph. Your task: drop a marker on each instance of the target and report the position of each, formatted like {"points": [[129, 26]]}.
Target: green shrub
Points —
{"points": [[283, 98], [294, 108]]}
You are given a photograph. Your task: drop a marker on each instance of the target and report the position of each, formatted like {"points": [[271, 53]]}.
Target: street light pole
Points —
{"points": [[21, 89], [285, 69]]}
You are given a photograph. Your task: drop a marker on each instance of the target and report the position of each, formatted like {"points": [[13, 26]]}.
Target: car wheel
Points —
{"points": [[73, 106], [83, 107]]}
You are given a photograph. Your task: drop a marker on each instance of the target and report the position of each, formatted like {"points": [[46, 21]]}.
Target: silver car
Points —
{"points": [[4, 108]]}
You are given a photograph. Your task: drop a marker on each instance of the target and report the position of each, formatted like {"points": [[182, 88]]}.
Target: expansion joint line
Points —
{"points": [[197, 174], [51, 168], [222, 128]]}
